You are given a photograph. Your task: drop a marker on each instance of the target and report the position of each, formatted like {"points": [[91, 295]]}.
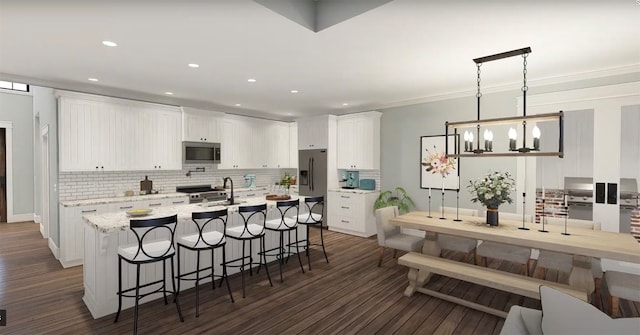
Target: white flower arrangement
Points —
{"points": [[438, 162], [493, 189]]}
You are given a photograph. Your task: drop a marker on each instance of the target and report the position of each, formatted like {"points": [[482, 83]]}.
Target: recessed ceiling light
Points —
{"points": [[294, 91], [289, 114], [251, 80], [110, 44], [193, 65], [168, 93], [345, 104], [93, 79], [238, 105]]}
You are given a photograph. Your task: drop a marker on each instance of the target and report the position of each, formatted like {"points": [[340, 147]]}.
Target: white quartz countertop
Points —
{"points": [[113, 200], [355, 190], [115, 221]]}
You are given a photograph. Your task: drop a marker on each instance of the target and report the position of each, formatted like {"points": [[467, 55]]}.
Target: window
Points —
{"points": [[8, 85]]}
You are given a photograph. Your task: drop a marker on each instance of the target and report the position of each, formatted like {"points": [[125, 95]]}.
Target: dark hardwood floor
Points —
{"points": [[348, 296]]}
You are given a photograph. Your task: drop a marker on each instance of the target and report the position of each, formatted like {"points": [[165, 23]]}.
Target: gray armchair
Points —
{"points": [[389, 235]]}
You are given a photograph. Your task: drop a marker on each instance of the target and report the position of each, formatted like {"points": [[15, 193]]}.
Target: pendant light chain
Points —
{"points": [[478, 96], [525, 88]]}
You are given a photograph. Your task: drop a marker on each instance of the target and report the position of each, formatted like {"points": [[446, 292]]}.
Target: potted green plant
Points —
{"points": [[400, 199]]}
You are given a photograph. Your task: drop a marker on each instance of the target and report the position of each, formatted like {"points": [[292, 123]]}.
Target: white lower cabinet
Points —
{"points": [[351, 213], [72, 232], [72, 224]]}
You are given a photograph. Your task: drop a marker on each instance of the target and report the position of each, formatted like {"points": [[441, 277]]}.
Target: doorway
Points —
{"points": [[3, 175]]}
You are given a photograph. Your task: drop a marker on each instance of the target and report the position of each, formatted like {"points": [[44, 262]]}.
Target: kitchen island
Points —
{"points": [[105, 232]]}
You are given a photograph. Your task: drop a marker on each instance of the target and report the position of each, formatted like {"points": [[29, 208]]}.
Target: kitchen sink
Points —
{"points": [[221, 203]]}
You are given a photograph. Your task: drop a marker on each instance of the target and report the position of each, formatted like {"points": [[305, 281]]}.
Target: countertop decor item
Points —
{"points": [[276, 197], [146, 185], [139, 212], [492, 190]]}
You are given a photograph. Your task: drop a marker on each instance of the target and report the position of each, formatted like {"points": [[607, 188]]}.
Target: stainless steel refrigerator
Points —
{"points": [[312, 179]]}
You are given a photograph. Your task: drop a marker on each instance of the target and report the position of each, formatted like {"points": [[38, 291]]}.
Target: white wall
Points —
{"points": [[401, 128], [17, 108], [45, 108]]}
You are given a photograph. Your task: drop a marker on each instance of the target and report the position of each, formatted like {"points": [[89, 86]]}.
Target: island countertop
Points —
{"points": [[115, 221], [115, 200]]}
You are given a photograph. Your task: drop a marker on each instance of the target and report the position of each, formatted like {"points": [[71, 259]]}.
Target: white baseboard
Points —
{"points": [[68, 264], [36, 218], [54, 249], [20, 217]]}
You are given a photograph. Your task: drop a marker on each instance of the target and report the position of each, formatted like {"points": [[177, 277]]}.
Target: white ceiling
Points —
{"points": [[402, 52]]}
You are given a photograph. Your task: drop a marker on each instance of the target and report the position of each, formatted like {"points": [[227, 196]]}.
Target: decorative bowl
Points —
{"points": [[139, 211]]}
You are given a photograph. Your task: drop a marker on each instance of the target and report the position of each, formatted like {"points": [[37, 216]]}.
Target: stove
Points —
{"points": [[199, 193]]}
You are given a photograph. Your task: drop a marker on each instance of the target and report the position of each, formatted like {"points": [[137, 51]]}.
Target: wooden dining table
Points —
{"points": [[583, 244]]}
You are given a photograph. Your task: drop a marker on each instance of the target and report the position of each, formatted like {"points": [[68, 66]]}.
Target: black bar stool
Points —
{"points": [[313, 216], [210, 236], [287, 222], [248, 232], [145, 253]]}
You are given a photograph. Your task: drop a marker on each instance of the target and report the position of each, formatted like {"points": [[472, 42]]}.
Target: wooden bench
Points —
{"points": [[501, 280]]}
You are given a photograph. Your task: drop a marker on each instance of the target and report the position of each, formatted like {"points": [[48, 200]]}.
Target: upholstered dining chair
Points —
{"points": [[563, 262], [456, 243], [506, 252], [389, 235]]}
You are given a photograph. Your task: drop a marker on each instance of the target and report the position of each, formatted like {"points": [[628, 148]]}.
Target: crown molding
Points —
{"points": [[622, 70]]}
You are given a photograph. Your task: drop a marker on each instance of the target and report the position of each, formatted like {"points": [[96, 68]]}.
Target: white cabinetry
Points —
{"points": [[107, 134], [88, 132], [279, 141], [313, 132], [359, 141], [72, 232], [161, 137], [72, 224], [236, 144], [249, 143], [351, 213], [201, 126], [293, 145]]}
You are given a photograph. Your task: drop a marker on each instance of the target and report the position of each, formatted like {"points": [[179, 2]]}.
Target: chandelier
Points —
{"points": [[473, 129]]}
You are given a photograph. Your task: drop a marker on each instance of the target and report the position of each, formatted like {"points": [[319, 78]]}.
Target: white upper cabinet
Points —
{"points": [[164, 133], [293, 145], [250, 143], [236, 143], [358, 139], [279, 150], [87, 136], [313, 132], [99, 133], [201, 126]]}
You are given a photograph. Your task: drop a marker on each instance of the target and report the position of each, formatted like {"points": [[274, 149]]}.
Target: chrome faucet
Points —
{"points": [[224, 185]]}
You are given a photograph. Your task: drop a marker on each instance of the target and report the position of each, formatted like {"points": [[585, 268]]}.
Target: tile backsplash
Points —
{"points": [[101, 184]]}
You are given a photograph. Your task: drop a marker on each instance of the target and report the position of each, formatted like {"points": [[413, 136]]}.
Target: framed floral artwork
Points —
{"points": [[436, 170]]}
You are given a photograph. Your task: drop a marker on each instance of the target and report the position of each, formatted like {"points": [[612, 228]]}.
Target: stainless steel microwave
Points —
{"points": [[200, 153]]}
